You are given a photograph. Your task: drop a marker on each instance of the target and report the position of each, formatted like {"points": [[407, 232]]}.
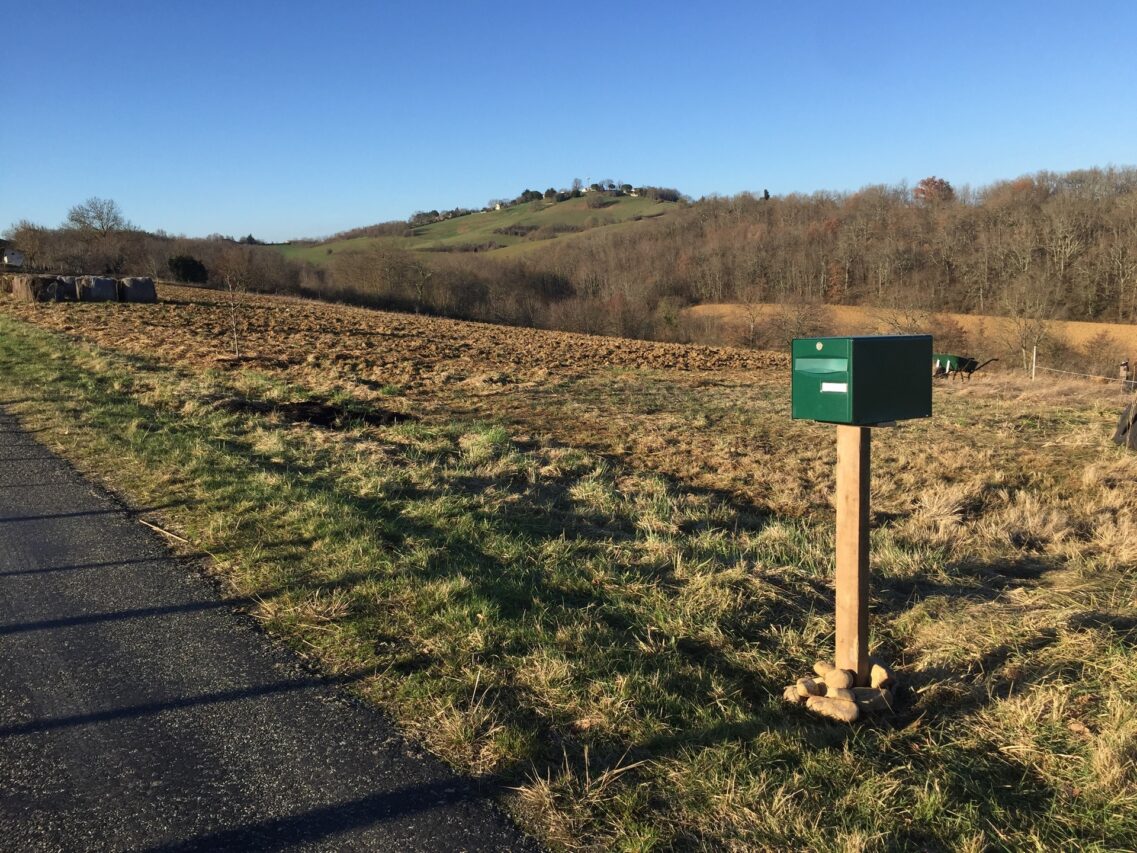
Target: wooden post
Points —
{"points": [[1033, 362], [854, 451]]}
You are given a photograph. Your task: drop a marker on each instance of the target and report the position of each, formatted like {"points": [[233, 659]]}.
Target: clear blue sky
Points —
{"points": [[287, 119]]}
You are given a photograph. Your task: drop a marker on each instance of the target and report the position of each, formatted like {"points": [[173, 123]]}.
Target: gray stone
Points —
{"points": [[836, 709], [873, 698], [839, 678], [881, 676], [809, 687]]}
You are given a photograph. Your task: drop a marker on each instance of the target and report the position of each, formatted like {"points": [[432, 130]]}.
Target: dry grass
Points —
{"points": [[852, 319], [589, 582]]}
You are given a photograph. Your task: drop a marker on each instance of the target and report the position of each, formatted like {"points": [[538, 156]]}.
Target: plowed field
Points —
{"points": [[713, 417], [613, 395], [359, 346]]}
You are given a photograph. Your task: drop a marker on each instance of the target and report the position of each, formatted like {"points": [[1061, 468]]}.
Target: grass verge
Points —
{"points": [[609, 647]]}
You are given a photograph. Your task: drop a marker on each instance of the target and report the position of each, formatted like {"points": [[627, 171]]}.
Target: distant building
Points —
{"points": [[12, 259]]}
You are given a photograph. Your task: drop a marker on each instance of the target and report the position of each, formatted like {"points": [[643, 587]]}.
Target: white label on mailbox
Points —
{"points": [[835, 387]]}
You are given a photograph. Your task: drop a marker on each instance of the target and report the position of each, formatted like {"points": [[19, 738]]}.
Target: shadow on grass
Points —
{"points": [[1123, 628]]}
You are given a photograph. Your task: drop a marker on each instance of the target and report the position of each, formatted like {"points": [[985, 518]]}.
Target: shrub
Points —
{"points": [[516, 230], [186, 268]]}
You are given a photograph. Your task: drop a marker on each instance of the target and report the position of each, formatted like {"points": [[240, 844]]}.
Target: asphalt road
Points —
{"points": [[139, 711]]}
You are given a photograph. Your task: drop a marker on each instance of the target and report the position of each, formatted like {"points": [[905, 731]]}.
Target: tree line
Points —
{"points": [[1057, 246], [1040, 247], [96, 238]]}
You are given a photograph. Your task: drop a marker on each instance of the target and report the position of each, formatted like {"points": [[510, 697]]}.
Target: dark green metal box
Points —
{"points": [[862, 380]]}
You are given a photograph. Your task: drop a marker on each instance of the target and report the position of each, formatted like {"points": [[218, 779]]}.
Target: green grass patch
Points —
{"points": [[483, 227], [610, 647]]}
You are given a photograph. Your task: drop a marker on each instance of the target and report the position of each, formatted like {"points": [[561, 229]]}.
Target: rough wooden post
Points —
{"points": [[854, 450]]}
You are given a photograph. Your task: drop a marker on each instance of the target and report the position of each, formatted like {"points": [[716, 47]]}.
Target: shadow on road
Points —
{"points": [[151, 708], [122, 615], [283, 833], [75, 567], [129, 513]]}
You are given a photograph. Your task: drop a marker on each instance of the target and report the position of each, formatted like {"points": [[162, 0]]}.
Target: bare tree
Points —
{"points": [[234, 268], [31, 239], [99, 225], [100, 216]]}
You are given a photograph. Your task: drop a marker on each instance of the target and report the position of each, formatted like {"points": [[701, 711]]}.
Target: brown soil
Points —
{"points": [[365, 349]]}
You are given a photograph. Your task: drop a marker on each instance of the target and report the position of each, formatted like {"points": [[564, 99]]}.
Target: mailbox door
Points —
{"points": [[822, 388]]}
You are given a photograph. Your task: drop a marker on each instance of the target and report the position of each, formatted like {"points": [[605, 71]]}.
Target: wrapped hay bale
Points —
{"points": [[65, 289], [34, 288], [93, 288], [137, 289]]}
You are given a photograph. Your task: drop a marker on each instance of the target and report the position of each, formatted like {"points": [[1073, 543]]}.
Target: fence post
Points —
{"points": [[1033, 362]]}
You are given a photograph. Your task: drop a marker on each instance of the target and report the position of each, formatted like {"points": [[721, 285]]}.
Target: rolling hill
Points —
{"points": [[542, 219]]}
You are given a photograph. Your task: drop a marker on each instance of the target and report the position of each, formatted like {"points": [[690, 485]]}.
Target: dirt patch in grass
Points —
{"points": [[314, 412]]}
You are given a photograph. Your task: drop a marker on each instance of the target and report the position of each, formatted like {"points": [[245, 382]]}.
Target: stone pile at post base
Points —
{"points": [[833, 692]]}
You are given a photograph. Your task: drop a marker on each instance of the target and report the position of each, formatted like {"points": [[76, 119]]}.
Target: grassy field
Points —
{"points": [[481, 228], [586, 567]]}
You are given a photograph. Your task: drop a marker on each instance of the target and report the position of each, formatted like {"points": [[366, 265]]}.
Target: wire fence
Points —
{"points": [[1126, 379], [1095, 376]]}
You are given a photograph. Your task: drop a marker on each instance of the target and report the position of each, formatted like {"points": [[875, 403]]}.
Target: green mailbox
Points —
{"points": [[864, 380]]}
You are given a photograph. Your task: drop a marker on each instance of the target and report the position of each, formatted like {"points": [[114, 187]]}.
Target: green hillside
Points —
{"points": [[549, 220]]}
